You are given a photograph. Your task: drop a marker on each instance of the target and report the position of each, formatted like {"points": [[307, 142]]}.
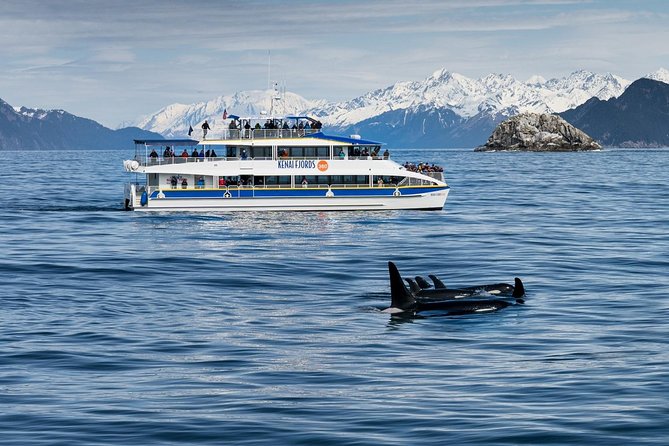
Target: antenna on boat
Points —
{"points": [[269, 68]]}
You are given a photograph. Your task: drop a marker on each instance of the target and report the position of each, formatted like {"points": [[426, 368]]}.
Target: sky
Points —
{"points": [[116, 60]]}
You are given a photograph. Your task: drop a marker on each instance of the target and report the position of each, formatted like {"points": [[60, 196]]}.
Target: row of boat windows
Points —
{"points": [[274, 180], [265, 152]]}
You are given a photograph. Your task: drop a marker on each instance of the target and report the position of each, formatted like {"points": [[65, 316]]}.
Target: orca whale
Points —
{"points": [[437, 283], [496, 289], [413, 286], [424, 284], [461, 301]]}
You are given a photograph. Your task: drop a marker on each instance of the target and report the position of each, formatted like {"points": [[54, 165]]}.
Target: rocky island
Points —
{"points": [[538, 132]]}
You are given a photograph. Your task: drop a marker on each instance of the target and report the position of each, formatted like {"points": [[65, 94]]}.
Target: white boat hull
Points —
{"points": [[429, 201]]}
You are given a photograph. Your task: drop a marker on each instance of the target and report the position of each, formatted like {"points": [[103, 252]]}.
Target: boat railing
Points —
{"points": [[254, 133], [436, 175], [158, 161]]}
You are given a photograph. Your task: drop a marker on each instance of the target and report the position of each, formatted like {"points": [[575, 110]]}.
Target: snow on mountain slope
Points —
{"points": [[175, 119], [494, 94], [661, 75]]}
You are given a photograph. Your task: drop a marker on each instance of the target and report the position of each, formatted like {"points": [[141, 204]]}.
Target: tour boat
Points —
{"points": [[276, 164]]}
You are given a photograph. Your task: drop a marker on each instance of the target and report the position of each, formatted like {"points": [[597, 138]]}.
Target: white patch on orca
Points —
{"points": [[393, 310]]}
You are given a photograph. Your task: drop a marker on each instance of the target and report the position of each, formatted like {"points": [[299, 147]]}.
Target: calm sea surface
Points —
{"points": [[258, 328]]}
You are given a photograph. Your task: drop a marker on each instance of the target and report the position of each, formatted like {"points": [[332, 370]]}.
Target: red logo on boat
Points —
{"points": [[323, 165]]}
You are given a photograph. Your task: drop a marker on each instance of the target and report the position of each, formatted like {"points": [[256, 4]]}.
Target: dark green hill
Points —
{"points": [[637, 118]]}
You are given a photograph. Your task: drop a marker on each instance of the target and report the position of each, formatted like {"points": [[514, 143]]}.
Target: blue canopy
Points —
{"points": [[167, 142]]}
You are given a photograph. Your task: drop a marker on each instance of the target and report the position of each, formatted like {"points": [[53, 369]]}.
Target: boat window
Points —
{"points": [[261, 152], [278, 180], [308, 152]]}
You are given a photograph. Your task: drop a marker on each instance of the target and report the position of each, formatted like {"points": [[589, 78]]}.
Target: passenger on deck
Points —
{"points": [[153, 154], [386, 155], [168, 152], [233, 125], [184, 154], [200, 183], [205, 128], [283, 154], [184, 183], [201, 154], [173, 182], [207, 154], [213, 153], [222, 183], [194, 154], [244, 156], [380, 182], [342, 155]]}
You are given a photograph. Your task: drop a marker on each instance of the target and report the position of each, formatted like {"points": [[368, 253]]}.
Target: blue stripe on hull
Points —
{"points": [[295, 193]]}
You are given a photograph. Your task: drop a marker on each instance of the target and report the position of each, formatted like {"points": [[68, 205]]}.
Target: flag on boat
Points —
{"points": [[190, 129], [225, 114]]}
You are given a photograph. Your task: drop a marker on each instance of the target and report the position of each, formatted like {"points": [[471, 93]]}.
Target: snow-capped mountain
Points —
{"points": [[661, 75], [27, 128], [495, 94], [446, 99], [174, 120]]}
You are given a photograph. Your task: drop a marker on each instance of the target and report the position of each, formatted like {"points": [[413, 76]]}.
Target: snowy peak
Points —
{"points": [[493, 95], [175, 119], [661, 75]]}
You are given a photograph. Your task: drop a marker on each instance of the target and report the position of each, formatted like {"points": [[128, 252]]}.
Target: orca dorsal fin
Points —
{"points": [[400, 297], [518, 288], [413, 286], [422, 283], [438, 284]]}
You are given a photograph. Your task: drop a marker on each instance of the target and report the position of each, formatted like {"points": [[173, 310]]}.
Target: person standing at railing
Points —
{"points": [[386, 155], [205, 128], [184, 183], [184, 154], [153, 155]]}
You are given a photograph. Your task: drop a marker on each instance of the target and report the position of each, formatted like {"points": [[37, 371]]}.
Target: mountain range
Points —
{"points": [[444, 110], [26, 128]]}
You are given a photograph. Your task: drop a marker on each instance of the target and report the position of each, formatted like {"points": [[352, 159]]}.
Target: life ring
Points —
{"points": [[397, 193]]}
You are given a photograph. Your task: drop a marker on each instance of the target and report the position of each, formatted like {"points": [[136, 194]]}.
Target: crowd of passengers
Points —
{"points": [[422, 167], [211, 153], [169, 153], [223, 182], [271, 124]]}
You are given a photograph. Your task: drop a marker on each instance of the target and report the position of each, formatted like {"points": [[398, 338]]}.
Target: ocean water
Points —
{"points": [[257, 328]]}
